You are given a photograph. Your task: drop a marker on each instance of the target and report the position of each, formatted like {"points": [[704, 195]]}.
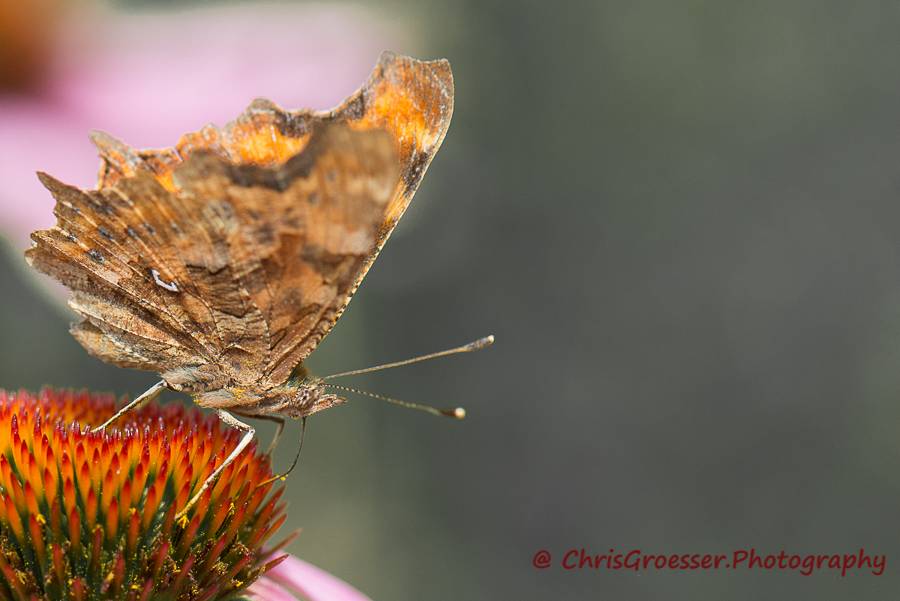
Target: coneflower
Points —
{"points": [[91, 516]]}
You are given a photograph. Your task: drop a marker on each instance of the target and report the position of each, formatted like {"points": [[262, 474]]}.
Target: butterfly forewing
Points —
{"points": [[225, 260]]}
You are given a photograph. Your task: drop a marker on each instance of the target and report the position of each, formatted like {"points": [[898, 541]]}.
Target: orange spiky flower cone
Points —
{"points": [[91, 516]]}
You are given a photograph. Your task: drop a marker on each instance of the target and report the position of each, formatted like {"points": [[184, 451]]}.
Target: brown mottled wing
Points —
{"points": [[226, 259], [195, 282]]}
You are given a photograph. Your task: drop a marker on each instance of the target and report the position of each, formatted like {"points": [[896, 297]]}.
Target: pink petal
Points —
{"points": [[307, 580], [266, 590]]}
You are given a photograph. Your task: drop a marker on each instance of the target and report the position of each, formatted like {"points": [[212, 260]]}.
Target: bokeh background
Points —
{"points": [[680, 219]]}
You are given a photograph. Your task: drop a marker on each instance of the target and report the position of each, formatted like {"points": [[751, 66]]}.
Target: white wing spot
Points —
{"points": [[173, 287]]}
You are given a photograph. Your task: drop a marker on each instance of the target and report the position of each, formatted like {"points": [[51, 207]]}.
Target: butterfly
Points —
{"points": [[222, 262]]}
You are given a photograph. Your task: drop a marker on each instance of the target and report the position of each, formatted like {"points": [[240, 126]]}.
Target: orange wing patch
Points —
{"points": [[411, 99]]}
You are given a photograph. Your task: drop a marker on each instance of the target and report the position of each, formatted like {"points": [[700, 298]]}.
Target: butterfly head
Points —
{"points": [[297, 399], [301, 397]]}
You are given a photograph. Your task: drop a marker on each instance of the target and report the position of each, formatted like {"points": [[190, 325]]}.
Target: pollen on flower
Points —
{"points": [[92, 515]]}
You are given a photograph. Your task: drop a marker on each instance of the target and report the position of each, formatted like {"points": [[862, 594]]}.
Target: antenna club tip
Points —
{"points": [[458, 413], [482, 343]]}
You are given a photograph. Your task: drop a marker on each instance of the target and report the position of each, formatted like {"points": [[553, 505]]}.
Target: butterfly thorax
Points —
{"points": [[298, 398]]}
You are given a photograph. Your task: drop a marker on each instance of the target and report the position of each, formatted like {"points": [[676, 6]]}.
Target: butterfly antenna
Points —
{"points": [[466, 348], [456, 413], [284, 476]]}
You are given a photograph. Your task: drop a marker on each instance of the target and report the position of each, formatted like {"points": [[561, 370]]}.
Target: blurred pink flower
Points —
{"points": [[294, 579], [146, 78]]}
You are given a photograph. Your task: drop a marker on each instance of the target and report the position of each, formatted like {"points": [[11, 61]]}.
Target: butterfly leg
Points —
{"points": [[283, 476], [153, 392], [248, 431], [277, 436], [279, 421]]}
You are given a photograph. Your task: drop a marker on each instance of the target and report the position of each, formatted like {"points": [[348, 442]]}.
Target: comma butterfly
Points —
{"points": [[221, 263]]}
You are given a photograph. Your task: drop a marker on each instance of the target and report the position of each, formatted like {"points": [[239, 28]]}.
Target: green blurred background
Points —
{"points": [[680, 219]]}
